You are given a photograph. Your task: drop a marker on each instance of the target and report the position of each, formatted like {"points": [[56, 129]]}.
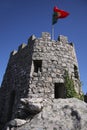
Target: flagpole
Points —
{"points": [[52, 32]]}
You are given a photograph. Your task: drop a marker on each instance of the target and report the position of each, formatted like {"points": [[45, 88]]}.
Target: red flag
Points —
{"points": [[61, 13]]}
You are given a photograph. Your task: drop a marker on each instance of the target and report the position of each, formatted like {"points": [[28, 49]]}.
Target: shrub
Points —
{"points": [[70, 88]]}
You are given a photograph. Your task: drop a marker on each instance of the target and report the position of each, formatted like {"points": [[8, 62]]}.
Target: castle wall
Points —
{"points": [[16, 80], [56, 57], [33, 71]]}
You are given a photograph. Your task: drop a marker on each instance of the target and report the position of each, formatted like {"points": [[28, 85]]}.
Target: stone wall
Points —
{"points": [[34, 71]]}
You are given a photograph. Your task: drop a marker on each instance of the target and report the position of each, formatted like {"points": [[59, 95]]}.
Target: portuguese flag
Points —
{"points": [[57, 13]]}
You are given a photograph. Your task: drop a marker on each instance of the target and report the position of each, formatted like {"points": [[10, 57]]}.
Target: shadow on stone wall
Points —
{"points": [[16, 82]]}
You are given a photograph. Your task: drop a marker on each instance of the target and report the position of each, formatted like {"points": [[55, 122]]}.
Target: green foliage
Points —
{"points": [[81, 97], [69, 85], [70, 88]]}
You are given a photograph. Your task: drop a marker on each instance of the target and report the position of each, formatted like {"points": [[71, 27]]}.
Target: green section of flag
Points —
{"points": [[54, 18]]}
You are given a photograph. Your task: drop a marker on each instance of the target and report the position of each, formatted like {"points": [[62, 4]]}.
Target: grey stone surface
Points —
{"points": [[30, 106], [59, 114], [33, 71], [16, 123]]}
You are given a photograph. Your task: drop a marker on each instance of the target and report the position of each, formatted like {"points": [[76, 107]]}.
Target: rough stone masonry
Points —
{"points": [[36, 71]]}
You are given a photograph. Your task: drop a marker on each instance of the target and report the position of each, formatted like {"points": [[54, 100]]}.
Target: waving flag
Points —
{"points": [[58, 14]]}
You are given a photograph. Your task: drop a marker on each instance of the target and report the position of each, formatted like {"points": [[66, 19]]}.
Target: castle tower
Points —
{"points": [[36, 70]]}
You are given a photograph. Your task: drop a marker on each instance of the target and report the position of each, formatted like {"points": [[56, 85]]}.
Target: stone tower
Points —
{"points": [[36, 70]]}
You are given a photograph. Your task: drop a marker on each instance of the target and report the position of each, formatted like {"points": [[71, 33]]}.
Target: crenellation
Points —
{"points": [[35, 70], [63, 39], [13, 53], [46, 36], [23, 45], [31, 39]]}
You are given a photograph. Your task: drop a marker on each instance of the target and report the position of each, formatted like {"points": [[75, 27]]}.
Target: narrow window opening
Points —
{"points": [[37, 66], [59, 91], [76, 72]]}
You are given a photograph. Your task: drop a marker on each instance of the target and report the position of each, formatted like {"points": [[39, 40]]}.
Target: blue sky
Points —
{"points": [[19, 19]]}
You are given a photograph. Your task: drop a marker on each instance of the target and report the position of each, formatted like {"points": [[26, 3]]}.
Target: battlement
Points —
{"points": [[22, 46], [63, 39], [32, 38], [45, 37], [13, 53], [47, 51]]}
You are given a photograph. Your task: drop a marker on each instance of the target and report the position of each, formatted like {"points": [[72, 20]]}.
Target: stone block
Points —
{"points": [[63, 39]]}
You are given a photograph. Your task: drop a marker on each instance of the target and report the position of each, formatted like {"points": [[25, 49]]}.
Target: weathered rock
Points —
{"points": [[59, 114], [15, 123], [33, 105], [30, 106]]}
